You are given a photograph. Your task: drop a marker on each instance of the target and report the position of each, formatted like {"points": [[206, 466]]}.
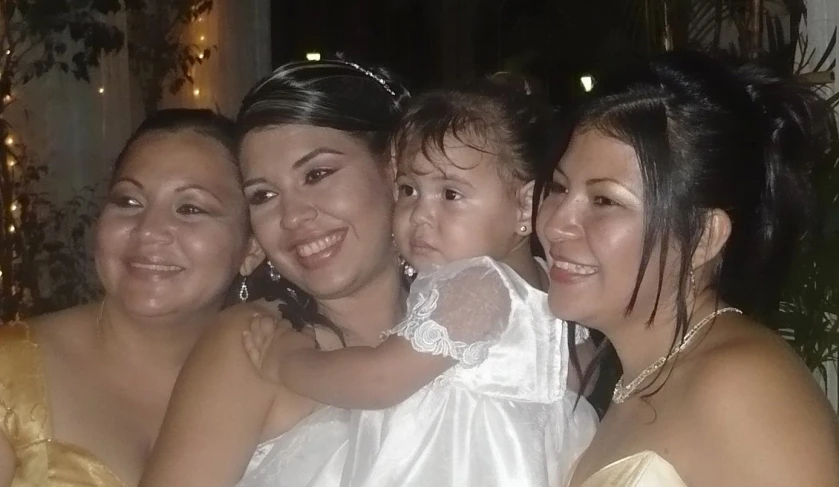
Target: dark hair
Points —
{"points": [[172, 120], [713, 136], [501, 113], [364, 102]]}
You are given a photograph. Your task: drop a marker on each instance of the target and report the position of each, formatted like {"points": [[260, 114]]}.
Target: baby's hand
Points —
{"points": [[267, 346]]}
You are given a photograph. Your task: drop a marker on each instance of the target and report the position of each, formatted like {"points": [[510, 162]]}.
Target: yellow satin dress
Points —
{"points": [[25, 421], [643, 469]]}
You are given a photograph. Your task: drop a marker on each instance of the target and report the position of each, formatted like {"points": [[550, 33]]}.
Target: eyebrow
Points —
{"points": [[180, 189], [201, 188], [457, 179], [299, 162], [592, 182], [129, 180]]}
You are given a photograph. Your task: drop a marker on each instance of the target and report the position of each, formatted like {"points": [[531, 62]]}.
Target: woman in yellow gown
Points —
{"points": [[83, 391]]}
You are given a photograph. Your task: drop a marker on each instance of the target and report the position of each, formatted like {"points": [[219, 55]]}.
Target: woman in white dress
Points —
{"points": [[470, 388], [317, 138], [676, 205]]}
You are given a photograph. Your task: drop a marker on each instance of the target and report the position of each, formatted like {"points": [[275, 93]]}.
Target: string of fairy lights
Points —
{"points": [[11, 141]]}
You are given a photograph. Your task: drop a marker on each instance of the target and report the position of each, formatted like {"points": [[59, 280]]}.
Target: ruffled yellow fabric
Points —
{"points": [[41, 460]]}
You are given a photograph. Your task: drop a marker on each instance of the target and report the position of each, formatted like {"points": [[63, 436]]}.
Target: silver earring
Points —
{"points": [[273, 274], [523, 229], [692, 280], [243, 290], [407, 269]]}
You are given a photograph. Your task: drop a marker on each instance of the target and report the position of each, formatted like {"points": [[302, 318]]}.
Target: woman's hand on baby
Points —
{"points": [[267, 345]]}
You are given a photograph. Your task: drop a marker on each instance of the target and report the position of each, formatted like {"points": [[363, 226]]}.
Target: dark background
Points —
{"points": [[433, 42]]}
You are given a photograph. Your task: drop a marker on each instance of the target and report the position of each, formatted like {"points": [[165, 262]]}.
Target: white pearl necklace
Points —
{"points": [[622, 393]]}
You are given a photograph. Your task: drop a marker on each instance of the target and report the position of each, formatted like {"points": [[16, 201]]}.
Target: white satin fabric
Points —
{"points": [[501, 417]]}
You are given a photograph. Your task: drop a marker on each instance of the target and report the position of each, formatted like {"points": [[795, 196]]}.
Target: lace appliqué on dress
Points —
{"points": [[428, 336]]}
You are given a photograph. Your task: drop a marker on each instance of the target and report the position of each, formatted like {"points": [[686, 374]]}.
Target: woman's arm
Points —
{"points": [[7, 461], [216, 413]]}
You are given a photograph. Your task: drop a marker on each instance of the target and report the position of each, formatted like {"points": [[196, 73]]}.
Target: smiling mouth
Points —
{"points": [[572, 268], [155, 267], [320, 245]]}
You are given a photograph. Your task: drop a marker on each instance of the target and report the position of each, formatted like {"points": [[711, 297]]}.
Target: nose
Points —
{"points": [[423, 212], [155, 226], [296, 211], [561, 219]]}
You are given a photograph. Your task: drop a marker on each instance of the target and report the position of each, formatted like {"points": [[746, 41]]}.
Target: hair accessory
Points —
{"points": [[243, 291], [622, 393], [371, 74], [273, 273]]}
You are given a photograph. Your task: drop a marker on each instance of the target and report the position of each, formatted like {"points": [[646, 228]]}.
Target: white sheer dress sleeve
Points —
{"points": [[458, 311]]}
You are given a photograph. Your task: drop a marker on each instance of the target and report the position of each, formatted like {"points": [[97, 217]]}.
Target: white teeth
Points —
{"points": [[156, 267], [575, 268], [319, 245]]}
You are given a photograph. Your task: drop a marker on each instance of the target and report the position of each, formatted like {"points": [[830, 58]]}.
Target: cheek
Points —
{"points": [[618, 248], [213, 247], [369, 202], [265, 224], [112, 236], [402, 225]]}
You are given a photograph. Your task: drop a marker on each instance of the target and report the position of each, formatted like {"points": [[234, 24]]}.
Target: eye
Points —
{"points": [[406, 190], [259, 197], [190, 209], [604, 201], [316, 175], [555, 187], [123, 201], [452, 195]]}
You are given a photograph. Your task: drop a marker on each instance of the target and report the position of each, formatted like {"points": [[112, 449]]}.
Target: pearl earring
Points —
{"points": [[523, 229]]}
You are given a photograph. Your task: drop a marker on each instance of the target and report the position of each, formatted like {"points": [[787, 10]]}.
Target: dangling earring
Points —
{"points": [[273, 274], [407, 269], [692, 282], [243, 290]]}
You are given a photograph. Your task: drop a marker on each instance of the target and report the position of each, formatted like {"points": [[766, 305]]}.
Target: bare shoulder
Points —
{"points": [[747, 364], [750, 398], [67, 329], [232, 321]]}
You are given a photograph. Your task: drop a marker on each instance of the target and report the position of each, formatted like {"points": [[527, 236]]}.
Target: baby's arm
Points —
{"points": [[454, 315], [362, 377]]}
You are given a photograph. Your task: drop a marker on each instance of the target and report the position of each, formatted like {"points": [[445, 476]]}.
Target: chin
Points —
{"points": [[330, 287], [565, 311]]}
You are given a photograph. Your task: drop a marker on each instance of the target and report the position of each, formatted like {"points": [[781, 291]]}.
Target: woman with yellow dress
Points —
{"points": [[83, 391]]}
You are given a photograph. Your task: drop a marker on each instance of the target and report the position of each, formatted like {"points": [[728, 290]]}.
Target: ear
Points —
{"points": [[253, 257], [524, 212], [714, 236]]}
